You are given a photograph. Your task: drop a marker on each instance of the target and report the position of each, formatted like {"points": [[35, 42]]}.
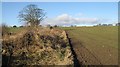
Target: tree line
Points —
{"points": [[117, 24]]}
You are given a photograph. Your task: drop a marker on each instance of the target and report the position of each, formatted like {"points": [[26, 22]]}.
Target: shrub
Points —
{"points": [[21, 26], [51, 27], [14, 26], [55, 26]]}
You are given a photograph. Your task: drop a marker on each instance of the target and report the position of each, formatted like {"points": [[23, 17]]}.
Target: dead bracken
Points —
{"points": [[37, 47]]}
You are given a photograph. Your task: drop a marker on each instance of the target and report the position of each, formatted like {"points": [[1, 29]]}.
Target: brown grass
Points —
{"points": [[37, 46]]}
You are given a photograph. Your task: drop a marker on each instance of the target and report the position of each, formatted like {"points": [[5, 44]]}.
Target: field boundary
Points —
{"points": [[76, 61]]}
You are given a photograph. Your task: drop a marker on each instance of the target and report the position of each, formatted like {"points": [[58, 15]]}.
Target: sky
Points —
{"points": [[60, 0], [65, 13], [0, 12]]}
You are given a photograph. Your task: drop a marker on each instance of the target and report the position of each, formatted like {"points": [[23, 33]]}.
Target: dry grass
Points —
{"points": [[37, 46]]}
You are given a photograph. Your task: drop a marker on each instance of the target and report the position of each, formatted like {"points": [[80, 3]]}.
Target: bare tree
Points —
{"points": [[31, 15]]}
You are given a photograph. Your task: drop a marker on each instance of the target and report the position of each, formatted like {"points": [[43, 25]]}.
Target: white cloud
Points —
{"points": [[67, 20]]}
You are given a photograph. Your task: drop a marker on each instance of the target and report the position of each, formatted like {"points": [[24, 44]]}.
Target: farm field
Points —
{"points": [[92, 45], [68, 34], [95, 45]]}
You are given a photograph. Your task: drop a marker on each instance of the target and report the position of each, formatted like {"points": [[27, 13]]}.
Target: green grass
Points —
{"points": [[95, 35], [101, 41], [15, 29]]}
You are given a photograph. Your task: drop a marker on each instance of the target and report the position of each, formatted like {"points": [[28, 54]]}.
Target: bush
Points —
{"points": [[55, 26], [14, 26], [21, 26], [51, 27]]}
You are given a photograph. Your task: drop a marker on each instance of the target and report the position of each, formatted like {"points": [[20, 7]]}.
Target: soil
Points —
{"points": [[83, 54], [99, 56]]}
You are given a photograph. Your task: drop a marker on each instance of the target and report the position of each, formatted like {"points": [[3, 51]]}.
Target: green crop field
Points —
{"points": [[101, 41], [97, 35]]}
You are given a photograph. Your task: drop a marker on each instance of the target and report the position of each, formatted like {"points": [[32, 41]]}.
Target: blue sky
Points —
{"points": [[0, 12], [77, 13], [59, 0]]}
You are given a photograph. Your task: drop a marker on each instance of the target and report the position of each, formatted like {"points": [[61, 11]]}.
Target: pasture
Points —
{"points": [[99, 43]]}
